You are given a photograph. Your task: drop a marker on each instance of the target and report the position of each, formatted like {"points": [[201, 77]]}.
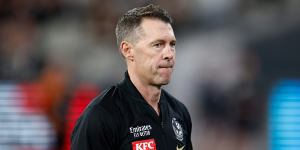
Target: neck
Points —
{"points": [[149, 92]]}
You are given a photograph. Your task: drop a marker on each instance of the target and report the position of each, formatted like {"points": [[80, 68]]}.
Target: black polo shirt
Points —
{"points": [[121, 119]]}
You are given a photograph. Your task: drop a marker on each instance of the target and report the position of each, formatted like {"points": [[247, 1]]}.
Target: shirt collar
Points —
{"points": [[127, 86]]}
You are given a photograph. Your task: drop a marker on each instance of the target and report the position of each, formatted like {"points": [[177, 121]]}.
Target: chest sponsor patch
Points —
{"points": [[140, 131], [148, 144]]}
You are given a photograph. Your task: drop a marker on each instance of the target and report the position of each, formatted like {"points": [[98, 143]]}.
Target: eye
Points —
{"points": [[173, 44], [157, 45]]}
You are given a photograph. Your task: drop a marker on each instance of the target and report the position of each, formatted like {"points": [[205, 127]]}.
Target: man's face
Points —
{"points": [[154, 52]]}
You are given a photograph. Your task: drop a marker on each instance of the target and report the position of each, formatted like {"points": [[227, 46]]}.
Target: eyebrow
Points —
{"points": [[163, 41]]}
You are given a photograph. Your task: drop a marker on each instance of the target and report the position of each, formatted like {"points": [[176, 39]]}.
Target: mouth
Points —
{"points": [[166, 66]]}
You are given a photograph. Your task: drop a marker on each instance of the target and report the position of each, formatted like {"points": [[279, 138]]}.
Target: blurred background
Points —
{"points": [[237, 69]]}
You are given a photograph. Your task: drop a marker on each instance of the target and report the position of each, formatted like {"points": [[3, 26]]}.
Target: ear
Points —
{"points": [[126, 49]]}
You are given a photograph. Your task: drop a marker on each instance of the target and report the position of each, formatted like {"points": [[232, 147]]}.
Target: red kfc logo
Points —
{"points": [[144, 145]]}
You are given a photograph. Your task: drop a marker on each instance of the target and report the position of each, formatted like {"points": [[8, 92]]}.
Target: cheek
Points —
{"points": [[144, 64], [155, 62], [151, 65], [146, 61]]}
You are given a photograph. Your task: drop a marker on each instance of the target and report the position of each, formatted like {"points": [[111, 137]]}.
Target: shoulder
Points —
{"points": [[103, 107], [106, 98], [99, 123], [174, 102], [176, 106]]}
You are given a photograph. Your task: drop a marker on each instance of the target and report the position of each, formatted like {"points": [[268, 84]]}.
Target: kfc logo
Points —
{"points": [[144, 145]]}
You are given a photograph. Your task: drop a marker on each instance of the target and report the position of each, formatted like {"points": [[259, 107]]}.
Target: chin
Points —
{"points": [[162, 79], [165, 82]]}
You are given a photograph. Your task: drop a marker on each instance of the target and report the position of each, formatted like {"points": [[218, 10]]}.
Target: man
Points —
{"points": [[137, 114]]}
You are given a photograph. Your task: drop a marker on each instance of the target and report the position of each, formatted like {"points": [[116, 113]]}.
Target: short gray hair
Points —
{"points": [[133, 18]]}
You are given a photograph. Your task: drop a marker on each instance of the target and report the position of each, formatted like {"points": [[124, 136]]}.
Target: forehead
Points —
{"points": [[155, 28]]}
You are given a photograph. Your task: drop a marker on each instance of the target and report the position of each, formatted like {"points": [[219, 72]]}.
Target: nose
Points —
{"points": [[169, 53]]}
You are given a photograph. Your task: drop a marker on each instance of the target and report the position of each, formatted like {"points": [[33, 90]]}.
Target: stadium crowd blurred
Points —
{"points": [[56, 55]]}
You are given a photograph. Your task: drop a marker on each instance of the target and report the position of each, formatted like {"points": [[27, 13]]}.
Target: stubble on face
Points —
{"points": [[149, 63]]}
